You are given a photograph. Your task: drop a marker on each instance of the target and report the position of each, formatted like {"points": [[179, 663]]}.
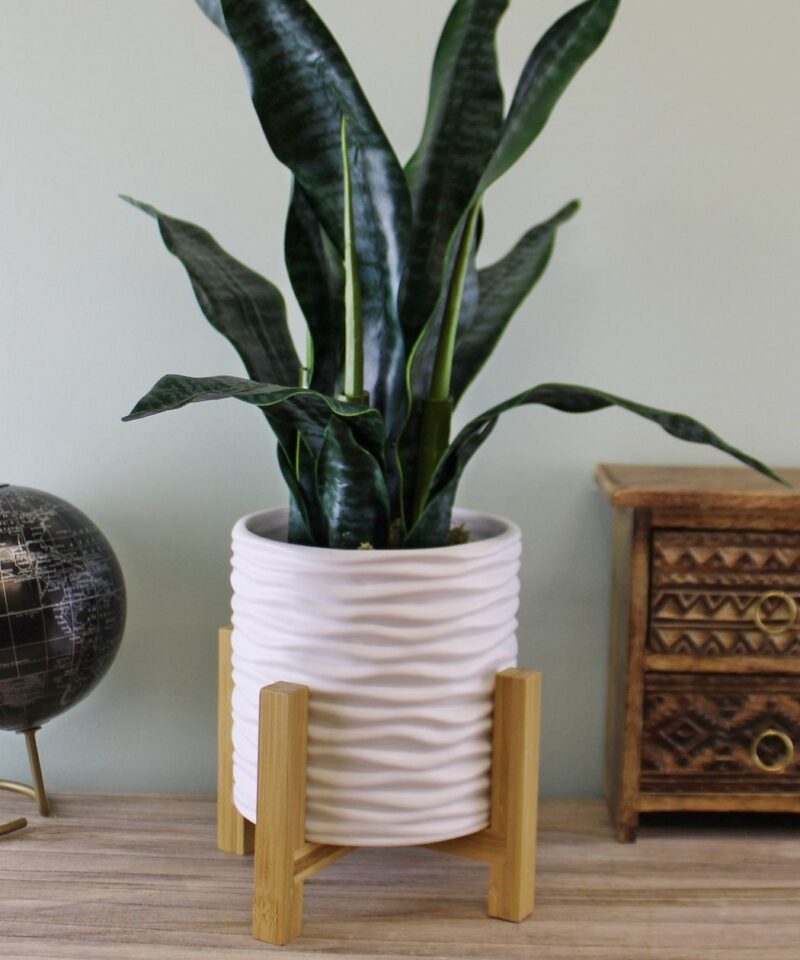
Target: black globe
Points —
{"points": [[62, 606]]}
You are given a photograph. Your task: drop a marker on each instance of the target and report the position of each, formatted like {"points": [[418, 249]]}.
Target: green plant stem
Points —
{"points": [[308, 370], [437, 408], [353, 325], [445, 347], [434, 437]]}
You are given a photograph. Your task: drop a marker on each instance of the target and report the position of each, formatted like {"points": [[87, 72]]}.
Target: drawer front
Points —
{"points": [[725, 593], [718, 733]]}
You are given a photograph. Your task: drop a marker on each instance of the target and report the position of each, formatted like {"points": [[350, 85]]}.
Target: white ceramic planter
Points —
{"points": [[399, 649]]}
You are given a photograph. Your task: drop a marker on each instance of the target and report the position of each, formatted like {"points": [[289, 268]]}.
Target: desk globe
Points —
{"points": [[62, 613]]}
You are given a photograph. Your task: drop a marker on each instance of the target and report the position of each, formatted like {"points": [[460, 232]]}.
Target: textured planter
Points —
{"points": [[400, 649]]}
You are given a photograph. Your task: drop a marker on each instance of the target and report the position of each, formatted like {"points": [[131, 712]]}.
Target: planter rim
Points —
{"points": [[276, 518]]}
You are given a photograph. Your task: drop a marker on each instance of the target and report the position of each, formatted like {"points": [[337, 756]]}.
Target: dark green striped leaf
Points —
{"points": [[244, 307], [434, 524], [299, 530], [352, 491], [306, 525], [555, 60], [462, 127], [315, 271], [502, 288], [296, 408], [213, 10], [302, 85], [420, 370]]}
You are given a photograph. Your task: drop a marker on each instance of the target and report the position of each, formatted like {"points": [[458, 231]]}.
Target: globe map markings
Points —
{"points": [[62, 606]]}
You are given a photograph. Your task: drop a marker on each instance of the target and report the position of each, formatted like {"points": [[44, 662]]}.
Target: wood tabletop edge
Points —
{"points": [[723, 487]]}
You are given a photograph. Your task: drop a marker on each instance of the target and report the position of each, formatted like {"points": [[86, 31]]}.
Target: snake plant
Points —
{"points": [[383, 260]]}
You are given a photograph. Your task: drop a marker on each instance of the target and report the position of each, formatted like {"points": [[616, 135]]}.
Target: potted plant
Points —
{"points": [[394, 609]]}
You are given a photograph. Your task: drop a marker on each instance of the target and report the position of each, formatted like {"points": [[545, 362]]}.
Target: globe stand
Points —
{"points": [[285, 859], [36, 792]]}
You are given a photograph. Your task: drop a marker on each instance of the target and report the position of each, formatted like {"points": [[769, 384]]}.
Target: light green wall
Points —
{"points": [[677, 284]]}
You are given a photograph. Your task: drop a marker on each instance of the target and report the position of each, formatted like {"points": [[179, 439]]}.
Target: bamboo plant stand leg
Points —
{"points": [[284, 859], [235, 834], [508, 844]]}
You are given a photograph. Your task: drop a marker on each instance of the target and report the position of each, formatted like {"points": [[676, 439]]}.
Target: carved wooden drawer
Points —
{"points": [[710, 732], [719, 593], [704, 660]]}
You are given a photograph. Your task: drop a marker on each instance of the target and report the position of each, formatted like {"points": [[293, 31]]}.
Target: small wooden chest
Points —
{"points": [[704, 665]]}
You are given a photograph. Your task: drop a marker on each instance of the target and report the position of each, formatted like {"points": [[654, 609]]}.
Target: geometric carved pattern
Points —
{"points": [[699, 731], [707, 586]]}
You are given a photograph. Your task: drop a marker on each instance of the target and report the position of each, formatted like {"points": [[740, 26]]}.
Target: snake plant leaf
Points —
{"points": [[420, 370], [462, 128], [299, 530], [213, 10], [432, 528], [301, 86], [502, 288], [434, 523], [555, 60], [352, 491], [297, 408], [316, 274], [244, 307], [306, 526]]}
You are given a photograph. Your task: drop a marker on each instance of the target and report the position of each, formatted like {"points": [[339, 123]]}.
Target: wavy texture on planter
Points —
{"points": [[400, 648]]}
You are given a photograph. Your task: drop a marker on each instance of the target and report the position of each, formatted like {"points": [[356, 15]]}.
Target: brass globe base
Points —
{"points": [[35, 792]]}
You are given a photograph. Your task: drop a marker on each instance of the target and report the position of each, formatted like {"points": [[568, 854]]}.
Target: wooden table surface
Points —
{"points": [[140, 877]]}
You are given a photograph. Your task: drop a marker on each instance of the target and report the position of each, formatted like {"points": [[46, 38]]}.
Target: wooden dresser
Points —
{"points": [[704, 666]]}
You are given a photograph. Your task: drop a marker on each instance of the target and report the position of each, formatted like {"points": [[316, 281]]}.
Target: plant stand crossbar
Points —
{"points": [[285, 859]]}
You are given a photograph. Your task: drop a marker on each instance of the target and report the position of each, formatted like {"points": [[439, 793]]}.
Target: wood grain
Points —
{"points": [[515, 792], [139, 878], [697, 488], [235, 833], [702, 733], [689, 663], [629, 618], [281, 822], [284, 859], [705, 617]]}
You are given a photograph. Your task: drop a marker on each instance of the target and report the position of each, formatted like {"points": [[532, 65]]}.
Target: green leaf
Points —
{"points": [[555, 60], [434, 523], [551, 66], [300, 524], [315, 271], [420, 374], [244, 307], [213, 10], [301, 85], [352, 491], [306, 524], [295, 408], [353, 316], [503, 287], [462, 127]]}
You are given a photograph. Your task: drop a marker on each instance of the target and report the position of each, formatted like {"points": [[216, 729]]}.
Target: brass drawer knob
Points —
{"points": [[778, 742], [791, 611]]}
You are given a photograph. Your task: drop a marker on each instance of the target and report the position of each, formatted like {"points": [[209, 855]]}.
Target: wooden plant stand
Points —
{"points": [[285, 859]]}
